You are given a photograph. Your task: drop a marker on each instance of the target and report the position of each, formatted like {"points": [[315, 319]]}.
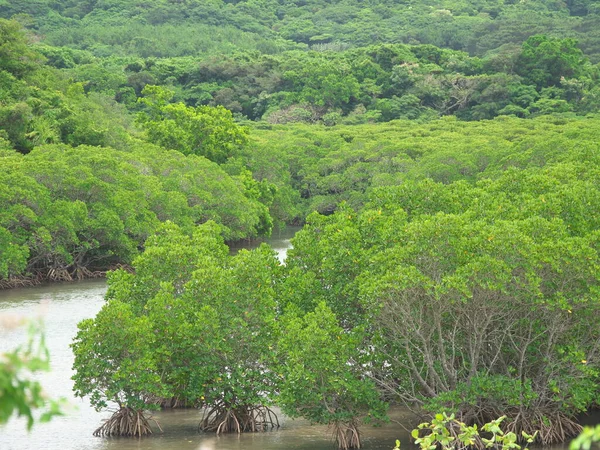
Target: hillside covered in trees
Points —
{"points": [[329, 62], [163, 28], [441, 155]]}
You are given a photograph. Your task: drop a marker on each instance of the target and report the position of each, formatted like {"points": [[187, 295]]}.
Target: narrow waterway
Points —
{"points": [[62, 306]]}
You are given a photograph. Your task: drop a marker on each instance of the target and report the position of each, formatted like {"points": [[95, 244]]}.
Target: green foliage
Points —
{"points": [[474, 235], [204, 130], [71, 211], [545, 61], [382, 82], [586, 439], [158, 28], [448, 433], [353, 85], [327, 251], [320, 370], [19, 393], [470, 252], [197, 322], [16, 56], [319, 167], [38, 107], [13, 257], [322, 83], [451, 277], [108, 349], [461, 283]]}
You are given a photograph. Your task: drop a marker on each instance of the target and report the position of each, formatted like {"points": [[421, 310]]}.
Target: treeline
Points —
{"points": [[68, 212], [284, 172], [166, 28], [316, 167], [82, 188], [371, 84], [476, 297], [317, 62]]}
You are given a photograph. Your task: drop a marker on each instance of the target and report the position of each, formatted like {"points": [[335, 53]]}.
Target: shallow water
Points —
{"points": [[278, 241]]}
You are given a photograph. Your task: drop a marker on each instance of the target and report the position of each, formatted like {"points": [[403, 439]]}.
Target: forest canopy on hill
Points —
{"points": [[161, 28], [329, 62]]}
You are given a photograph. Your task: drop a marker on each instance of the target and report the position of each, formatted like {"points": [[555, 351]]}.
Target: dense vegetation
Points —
{"points": [[314, 61], [476, 297], [161, 28], [382, 82], [87, 193], [70, 211], [443, 156], [315, 168]]}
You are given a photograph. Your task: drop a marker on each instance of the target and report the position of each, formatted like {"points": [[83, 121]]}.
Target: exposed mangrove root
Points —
{"points": [[53, 275], [126, 422], [170, 403], [58, 274], [552, 427], [16, 282], [223, 419], [83, 273], [346, 435]]}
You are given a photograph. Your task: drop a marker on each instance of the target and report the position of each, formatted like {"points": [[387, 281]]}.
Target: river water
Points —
{"points": [[62, 306]]}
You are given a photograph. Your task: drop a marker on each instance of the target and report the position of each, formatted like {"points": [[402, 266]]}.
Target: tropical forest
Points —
{"points": [[437, 160]]}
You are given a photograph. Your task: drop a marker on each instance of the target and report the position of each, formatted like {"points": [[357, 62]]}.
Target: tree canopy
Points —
{"points": [[442, 156], [471, 293]]}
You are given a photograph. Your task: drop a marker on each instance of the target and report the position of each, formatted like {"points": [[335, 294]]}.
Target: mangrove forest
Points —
{"points": [[442, 158]]}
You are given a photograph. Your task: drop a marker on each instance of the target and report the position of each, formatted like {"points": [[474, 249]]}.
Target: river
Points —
{"points": [[62, 306]]}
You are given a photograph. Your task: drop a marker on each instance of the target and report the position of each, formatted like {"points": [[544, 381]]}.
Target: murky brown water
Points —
{"points": [[279, 241], [62, 306]]}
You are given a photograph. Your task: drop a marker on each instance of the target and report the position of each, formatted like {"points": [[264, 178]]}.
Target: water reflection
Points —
{"points": [[279, 241]]}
